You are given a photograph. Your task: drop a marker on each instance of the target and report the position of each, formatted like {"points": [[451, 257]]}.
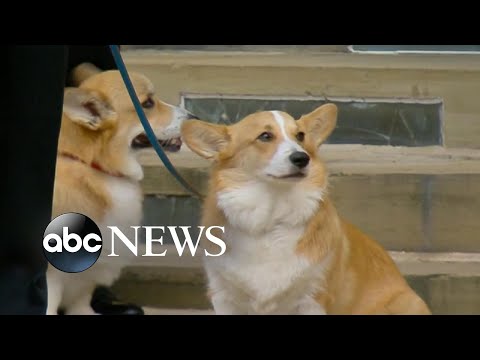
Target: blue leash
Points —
{"points": [[146, 125]]}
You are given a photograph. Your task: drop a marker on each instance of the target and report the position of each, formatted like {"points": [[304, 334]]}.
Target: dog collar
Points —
{"points": [[93, 165]]}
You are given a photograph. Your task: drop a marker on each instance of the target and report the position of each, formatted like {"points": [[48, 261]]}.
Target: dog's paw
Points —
{"points": [[104, 302]]}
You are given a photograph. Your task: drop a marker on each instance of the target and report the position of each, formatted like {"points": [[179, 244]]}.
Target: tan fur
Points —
{"points": [[82, 72], [98, 125], [108, 147], [360, 277]]}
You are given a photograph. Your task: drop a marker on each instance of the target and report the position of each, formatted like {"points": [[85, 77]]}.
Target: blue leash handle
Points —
{"points": [[146, 125]]}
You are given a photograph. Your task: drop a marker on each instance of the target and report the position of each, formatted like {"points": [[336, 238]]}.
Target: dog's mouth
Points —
{"points": [[172, 145], [295, 176]]}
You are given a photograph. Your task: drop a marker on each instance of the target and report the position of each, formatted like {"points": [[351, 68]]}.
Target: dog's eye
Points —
{"points": [[300, 136], [265, 136], [148, 104]]}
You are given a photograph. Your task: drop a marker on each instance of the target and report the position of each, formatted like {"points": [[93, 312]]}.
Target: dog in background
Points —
{"points": [[288, 250], [98, 175]]}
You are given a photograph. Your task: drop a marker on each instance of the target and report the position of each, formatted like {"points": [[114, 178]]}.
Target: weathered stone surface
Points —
{"points": [[454, 79], [404, 212], [185, 289]]}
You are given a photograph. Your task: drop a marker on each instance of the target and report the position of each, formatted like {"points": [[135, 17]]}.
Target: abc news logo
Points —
{"points": [[72, 243]]}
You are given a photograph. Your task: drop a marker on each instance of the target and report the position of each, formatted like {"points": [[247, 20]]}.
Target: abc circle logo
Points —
{"points": [[72, 242]]}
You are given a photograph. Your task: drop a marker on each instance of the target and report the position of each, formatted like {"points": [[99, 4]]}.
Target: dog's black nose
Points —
{"points": [[300, 159]]}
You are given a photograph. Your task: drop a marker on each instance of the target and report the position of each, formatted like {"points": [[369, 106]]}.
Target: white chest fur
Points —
{"points": [[260, 272], [257, 207], [125, 212], [126, 203]]}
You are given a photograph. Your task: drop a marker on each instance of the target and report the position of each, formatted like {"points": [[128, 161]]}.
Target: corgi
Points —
{"points": [[288, 250], [98, 174]]}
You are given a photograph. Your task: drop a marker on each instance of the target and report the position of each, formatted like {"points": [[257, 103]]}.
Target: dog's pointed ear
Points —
{"points": [[205, 139], [87, 108], [319, 124], [82, 72]]}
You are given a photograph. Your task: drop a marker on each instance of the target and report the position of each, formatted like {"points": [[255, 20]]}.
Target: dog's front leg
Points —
{"points": [[55, 290], [224, 304], [308, 306], [225, 298]]}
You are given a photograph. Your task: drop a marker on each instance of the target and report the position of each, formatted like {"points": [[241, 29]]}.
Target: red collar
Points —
{"points": [[93, 165]]}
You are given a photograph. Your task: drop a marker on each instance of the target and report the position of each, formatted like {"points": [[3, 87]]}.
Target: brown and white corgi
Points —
{"points": [[97, 171], [288, 250]]}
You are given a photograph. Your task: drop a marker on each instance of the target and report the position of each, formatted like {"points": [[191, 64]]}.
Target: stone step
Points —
{"points": [[452, 78], [421, 200], [348, 159], [448, 282], [409, 199], [445, 295], [162, 311]]}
